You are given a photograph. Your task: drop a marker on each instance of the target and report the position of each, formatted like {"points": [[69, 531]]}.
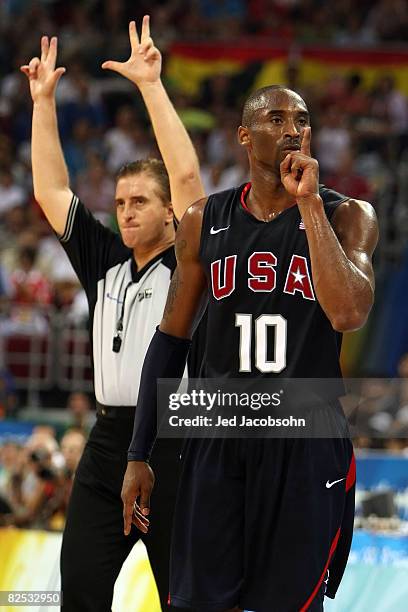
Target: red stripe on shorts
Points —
{"points": [[351, 476], [318, 585]]}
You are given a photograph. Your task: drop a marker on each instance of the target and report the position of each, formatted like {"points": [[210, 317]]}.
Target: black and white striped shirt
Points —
{"points": [[106, 270]]}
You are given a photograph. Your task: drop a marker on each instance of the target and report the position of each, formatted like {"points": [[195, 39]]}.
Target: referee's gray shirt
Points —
{"points": [[106, 269]]}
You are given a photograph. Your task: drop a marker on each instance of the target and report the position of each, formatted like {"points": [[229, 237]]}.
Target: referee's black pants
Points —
{"points": [[94, 546]]}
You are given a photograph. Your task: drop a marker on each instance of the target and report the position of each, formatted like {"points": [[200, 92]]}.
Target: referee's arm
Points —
{"points": [[143, 68], [50, 175]]}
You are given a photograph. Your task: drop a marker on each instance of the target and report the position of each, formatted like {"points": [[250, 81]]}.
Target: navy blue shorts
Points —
{"points": [[265, 525]]}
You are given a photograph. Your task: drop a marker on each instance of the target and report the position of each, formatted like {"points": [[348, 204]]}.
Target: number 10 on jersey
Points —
{"points": [[258, 330]]}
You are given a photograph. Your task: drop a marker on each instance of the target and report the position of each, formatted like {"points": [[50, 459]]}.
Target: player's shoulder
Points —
{"points": [[355, 220], [197, 209], [361, 206], [344, 206], [193, 218], [353, 209]]}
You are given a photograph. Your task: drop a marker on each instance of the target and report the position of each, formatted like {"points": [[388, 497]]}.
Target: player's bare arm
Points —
{"points": [[187, 296], [186, 301], [143, 68], [50, 175], [341, 254]]}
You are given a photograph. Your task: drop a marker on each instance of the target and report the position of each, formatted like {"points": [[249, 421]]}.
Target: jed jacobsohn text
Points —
{"points": [[208, 401], [235, 421]]}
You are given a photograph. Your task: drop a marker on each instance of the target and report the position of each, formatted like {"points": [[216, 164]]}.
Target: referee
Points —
{"points": [[126, 280]]}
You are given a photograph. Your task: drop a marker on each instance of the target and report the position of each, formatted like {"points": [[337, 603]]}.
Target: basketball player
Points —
{"points": [[263, 525], [126, 279]]}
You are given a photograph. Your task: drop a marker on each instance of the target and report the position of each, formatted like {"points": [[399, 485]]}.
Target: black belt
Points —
{"points": [[115, 412]]}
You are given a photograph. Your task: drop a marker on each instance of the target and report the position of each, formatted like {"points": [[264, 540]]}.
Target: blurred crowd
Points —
{"points": [[84, 25], [377, 411], [36, 476], [360, 136]]}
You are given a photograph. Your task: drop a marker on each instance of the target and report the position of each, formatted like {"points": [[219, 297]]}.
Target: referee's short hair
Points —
{"points": [[152, 166]]}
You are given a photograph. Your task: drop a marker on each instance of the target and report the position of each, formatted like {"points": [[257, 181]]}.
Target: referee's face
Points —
{"points": [[144, 219]]}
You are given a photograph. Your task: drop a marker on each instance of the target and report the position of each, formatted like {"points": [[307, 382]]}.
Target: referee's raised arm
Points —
{"points": [[50, 175], [143, 68]]}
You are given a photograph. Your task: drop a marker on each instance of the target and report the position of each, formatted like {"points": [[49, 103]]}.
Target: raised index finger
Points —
{"points": [[133, 36], [305, 146], [145, 28]]}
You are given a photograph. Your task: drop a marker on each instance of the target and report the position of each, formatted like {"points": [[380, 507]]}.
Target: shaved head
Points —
{"points": [[261, 98]]}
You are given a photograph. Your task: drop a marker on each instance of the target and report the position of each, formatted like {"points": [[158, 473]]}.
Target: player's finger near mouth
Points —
{"points": [[306, 139]]}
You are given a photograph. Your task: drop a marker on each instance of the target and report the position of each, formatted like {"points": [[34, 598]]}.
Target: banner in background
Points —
{"points": [[376, 577], [188, 65], [29, 561]]}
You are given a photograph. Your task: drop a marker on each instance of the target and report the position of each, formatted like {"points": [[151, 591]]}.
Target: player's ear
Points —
{"points": [[244, 138]]}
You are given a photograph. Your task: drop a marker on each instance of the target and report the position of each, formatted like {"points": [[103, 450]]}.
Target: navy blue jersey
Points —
{"points": [[263, 315]]}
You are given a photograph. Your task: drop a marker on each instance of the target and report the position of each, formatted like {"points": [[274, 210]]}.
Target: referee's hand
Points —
{"points": [[144, 64], [136, 490], [41, 72]]}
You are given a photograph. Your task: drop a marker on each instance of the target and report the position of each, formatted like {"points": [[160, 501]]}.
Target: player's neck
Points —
{"points": [[267, 197], [144, 254]]}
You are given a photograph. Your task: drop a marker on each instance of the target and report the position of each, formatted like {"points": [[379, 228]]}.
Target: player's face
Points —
{"points": [[277, 128], [143, 217]]}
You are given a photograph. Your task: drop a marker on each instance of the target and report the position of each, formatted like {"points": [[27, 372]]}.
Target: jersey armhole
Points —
{"points": [[66, 235], [333, 206], [203, 225]]}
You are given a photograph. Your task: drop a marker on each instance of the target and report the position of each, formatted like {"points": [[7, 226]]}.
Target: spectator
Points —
{"points": [[35, 484], [390, 106], [332, 141], [356, 100], [8, 395], [9, 462], [29, 286], [81, 413], [78, 149], [347, 180], [30, 293], [388, 19], [11, 195], [126, 140], [84, 105], [97, 187], [72, 446]]}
